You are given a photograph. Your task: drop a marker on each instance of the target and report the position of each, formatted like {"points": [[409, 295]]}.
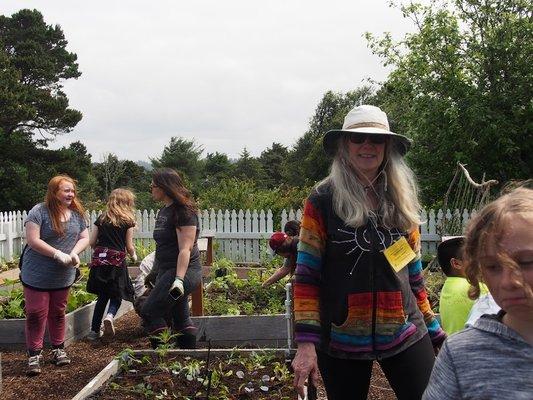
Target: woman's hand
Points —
{"points": [[305, 365], [75, 259], [177, 290], [63, 258]]}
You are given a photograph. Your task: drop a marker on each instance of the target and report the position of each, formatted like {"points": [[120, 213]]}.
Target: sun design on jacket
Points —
{"points": [[360, 237]]}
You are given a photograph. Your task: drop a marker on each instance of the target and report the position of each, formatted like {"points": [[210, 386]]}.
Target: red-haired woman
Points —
{"points": [[56, 232], [177, 258]]}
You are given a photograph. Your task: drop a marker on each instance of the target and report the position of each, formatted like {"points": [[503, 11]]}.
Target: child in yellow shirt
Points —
{"points": [[455, 304]]}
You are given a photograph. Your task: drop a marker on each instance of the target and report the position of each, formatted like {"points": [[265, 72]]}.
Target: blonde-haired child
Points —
{"points": [[111, 238], [493, 359]]}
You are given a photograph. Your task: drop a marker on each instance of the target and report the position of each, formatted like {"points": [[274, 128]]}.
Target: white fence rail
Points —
{"points": [[239, 235]]}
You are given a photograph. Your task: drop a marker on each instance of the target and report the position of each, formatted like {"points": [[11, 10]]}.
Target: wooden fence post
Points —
{"points": [[9, 239]]}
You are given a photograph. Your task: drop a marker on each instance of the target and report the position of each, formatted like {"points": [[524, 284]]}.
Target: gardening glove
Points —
{"points": [[149, 280], [63, 258], [134, 257], [75, 259], [176, 290]]}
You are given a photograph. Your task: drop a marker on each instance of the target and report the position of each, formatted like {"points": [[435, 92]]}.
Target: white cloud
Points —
{"points": [[231, 74]]}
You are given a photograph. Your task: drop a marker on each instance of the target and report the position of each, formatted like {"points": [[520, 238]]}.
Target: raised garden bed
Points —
{"points": [[229, 294], [242, 330], [78, 324], [80, 308], [226, 374]]}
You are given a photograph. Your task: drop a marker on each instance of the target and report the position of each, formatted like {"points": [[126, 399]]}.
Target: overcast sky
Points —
{"points": [[228, 74]]}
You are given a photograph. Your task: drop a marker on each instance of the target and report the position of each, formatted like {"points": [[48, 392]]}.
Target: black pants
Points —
{"points": [[99, 309], [407, 372], [159, 304]]}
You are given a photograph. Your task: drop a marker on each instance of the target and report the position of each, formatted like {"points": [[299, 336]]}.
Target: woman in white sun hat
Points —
{"points": [[359, 295]]}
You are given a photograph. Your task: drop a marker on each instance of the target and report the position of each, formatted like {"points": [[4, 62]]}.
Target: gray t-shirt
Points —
{"points": [[41, 272], [486, 361]]}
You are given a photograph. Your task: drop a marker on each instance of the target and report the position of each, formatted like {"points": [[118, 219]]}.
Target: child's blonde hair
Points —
{"points": [[487, 228], [120, 208]]}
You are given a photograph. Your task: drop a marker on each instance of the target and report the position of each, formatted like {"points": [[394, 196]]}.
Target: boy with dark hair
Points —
{"points": [[284, 244], [455, 304]]}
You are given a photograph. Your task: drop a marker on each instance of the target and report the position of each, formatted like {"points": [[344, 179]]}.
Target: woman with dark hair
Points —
{"points": [[56, 232], [177, 257], [359, 295]]}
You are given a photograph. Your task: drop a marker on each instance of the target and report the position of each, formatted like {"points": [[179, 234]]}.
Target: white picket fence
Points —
{"points": [[239, 235]]}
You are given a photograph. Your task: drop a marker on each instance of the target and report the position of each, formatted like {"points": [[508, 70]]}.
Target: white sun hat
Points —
{"points": [[365, 119]]}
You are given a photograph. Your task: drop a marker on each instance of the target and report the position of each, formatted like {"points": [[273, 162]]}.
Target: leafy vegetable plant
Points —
{"points": [[227, 294]]}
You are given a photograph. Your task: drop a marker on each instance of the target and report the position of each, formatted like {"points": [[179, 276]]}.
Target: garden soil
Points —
{"points": [[88, 358]]}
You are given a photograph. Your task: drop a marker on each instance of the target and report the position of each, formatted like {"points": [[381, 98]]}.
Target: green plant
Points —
{"points": [[258, 375], [165, 340], [7, 265], [227, 294], [193, 368], [126, 359], [142, 249], [222, 266], [434, 280]]}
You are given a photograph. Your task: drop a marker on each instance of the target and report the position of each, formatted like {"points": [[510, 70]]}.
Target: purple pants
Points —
{"points": [[42, 307]]}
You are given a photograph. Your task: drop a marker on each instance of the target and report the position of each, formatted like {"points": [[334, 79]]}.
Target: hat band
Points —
{"points": [[368, 125]]}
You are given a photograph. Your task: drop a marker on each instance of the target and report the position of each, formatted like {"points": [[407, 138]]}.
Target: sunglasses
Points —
{"points": [[359, 138]]}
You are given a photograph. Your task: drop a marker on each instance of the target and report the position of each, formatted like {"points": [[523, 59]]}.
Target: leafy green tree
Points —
{"points": [[109, 173], [307, 163], [461, 88], [184, 156], [114, 173], [138, 178], [33, 110], [26, 170], [248, 167], [216, 166], [272, 160], [34, 62], [244, 194]]}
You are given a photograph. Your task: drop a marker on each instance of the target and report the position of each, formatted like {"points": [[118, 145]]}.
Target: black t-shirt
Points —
{"points": [[166, 240], [111, 236]]}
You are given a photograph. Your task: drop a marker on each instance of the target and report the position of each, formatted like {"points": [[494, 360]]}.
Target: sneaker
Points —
{"points": [[34, 364], [60, 357], [92, 336], [109, 328]]}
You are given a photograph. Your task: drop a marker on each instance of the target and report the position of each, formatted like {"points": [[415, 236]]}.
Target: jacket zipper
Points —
{"points": [[373, 286]]}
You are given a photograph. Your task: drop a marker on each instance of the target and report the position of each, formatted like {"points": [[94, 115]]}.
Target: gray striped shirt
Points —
{"points": [[486, 361], [42, 272]]}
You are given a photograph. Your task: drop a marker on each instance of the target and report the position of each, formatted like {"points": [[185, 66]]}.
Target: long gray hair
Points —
{"points": [[395, 187]]}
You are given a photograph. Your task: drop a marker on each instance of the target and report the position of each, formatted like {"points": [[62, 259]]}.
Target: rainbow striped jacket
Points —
{"points": [[348, 300]]}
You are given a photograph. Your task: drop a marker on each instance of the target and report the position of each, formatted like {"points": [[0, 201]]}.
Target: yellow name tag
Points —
{"points": [[399, 254]]}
